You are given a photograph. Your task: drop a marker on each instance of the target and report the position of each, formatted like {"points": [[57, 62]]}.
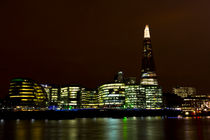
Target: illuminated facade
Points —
{"points": [[153, 96], [26, 95], [89, 99], [123, 93], [149, 83], [53, 95], [112, 95], [196, 103], [184, 91], [134, 97], [70, 97]]}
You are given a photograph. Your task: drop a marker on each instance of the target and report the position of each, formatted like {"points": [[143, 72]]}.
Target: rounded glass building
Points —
{"points": [[112, 95], [26, 95]]}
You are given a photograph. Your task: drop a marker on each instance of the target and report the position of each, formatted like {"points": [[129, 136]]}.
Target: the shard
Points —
{"points": [[149, 82]]}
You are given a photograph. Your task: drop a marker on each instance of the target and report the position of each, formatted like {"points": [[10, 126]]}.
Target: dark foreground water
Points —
{"points": [[147, 128]]}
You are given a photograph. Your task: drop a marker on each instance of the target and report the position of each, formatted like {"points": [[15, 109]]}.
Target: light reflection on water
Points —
{"points": [[132, 128]]}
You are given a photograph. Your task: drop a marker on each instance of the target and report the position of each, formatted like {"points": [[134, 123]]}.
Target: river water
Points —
{"points": [[142, 128]]}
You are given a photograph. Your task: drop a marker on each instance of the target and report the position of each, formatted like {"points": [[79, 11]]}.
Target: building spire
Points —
{"points": [[146, 32]]}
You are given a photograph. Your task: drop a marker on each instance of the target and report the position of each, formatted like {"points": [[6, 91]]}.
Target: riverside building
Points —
{"points": [[196, 103], [149, 83], [27, 95], [70, 97], [134, 98], [112, 95], [122, 93], [53, 96], [184, 91], [89, 99]]}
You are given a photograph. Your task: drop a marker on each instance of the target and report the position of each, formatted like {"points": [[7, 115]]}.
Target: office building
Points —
{"points": [[112, 95], [70, 97], [53, 96], [89, 99], [134, 98], [27, 95], [149, 83], [196, 103], [184, 91]]}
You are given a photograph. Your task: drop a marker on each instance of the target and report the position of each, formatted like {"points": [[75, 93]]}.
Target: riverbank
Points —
{"points": [[89, 113]]}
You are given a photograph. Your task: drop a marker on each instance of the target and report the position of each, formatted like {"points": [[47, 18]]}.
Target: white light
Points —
{"points": [[146, 32], [32, 120], [187, 113]]}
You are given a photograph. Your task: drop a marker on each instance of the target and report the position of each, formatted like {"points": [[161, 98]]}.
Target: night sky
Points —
{"points": [[87, 41]]}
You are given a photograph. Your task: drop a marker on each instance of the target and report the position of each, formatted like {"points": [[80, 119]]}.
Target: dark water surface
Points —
{"points": [[147, 128]]}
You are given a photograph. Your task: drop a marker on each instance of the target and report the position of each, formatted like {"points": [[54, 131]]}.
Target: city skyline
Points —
{"points": [[104, 69], [90, 47]]}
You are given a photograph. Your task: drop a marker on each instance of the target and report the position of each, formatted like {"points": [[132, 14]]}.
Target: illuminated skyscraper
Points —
{"points": [[148, 82]]}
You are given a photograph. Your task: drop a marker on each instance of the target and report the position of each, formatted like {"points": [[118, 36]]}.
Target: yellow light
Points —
{"points": [[25, 99], [26, 89], [21, 96], [26, 92]]}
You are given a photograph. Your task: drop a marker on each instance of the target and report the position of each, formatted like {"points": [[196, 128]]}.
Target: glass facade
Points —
{"points": [[89, 99], [149, 82], [27, 95], [134, 97], [196, 103], [153, 96], [112, 95], [53, 95], [70, 97]]}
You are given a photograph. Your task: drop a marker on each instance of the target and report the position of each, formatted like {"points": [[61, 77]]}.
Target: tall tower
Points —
{"points": [[149, 83], [148, 75]]}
